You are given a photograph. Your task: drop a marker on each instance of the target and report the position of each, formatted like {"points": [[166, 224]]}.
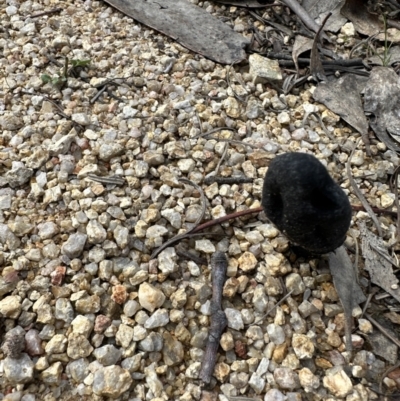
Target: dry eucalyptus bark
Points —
{"points": [[219, 265]]}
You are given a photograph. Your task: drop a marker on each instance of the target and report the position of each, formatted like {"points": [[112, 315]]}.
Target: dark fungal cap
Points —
{"points": [[305, 203]]}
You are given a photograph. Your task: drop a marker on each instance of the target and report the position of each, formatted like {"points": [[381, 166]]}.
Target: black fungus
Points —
{"points": [[305, 203]]}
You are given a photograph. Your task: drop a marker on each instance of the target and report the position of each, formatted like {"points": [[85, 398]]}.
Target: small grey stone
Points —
{"points": [[253, 109], [173, 351], [63, 145], [295, 283], [33, 343], [14, 342], [152, 380], [257, 383], [96, 233], [131, 307], [78, 346], [10, 306], [146, 345], [19, 370], [260, 299], [276, 333], [124, 335], [302, 346], [111, 381], [121, 236], [78, 369], [308, 380], [74, 245], [88, 304], [263, 69], [306, 308], [107, 355], [332, 309], [193, 370], [204, 245], [156, 231], [141, 168], [5, 201], [286, 378], [11, 122], [174, 217], [150, 297], [262, 368], [132, 364], [167, 260], [57, 344], [199, 339], [158, 319], [234, 318], [47, 230], [52, 194], [64, 310], [298, 324], [18, 176], [82, 325], [106, 269], [7, 237], [81, 118], [337, 382], [153, 158], [109, 150], [52, 375], [274, 395]]}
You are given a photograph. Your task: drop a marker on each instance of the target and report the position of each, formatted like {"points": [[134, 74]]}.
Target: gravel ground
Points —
{"points": [[85, 312]]}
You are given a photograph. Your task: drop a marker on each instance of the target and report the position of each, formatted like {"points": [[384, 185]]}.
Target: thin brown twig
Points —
{"points": [[275, 306], [368, 301], [377, 210], [382, 329], [313, 113], [228, 217], [53, 11], [219, 266], [213, 131], [316, 68], [192, 230], [228, 180], [200, 127]]}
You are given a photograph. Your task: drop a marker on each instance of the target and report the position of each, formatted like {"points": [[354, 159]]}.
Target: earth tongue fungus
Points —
{"points": [[303, 201]]}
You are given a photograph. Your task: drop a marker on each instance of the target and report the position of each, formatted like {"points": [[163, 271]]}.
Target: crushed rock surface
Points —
{"points": [[89, 188]]}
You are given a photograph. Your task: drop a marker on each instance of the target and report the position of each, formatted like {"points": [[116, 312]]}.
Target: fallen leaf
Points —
{"points": [[342, 96], [378, 262], [364, 22], [301, 45], [382, 99], [382, 346], [347, 288], [189, 25], [318, 9]]}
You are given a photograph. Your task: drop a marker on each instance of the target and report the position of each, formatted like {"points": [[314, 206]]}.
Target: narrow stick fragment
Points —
{"points": [[219, 265], [218, 324]]}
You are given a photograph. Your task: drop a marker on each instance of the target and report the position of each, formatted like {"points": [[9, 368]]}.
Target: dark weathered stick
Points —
{"points": [[218, 324], [219, 265], [227, 180]]}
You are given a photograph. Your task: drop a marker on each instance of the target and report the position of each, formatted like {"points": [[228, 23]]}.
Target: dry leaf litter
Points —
{"points": [[85, 313]]}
